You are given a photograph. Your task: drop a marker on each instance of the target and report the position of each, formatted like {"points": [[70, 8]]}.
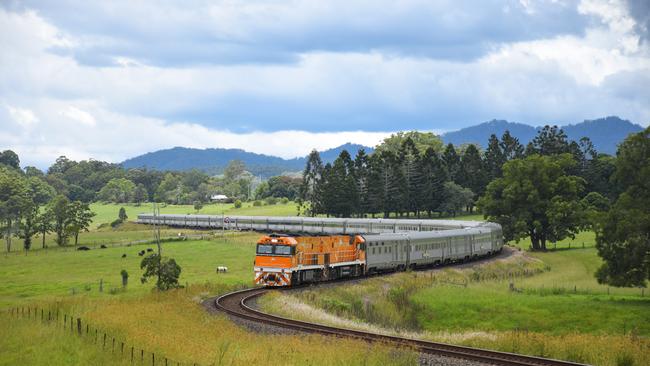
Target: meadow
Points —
{"points": [[173, 323]]}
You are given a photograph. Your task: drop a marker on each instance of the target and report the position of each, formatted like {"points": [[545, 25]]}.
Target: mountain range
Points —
{"points": [[605, 133], [214, 161]]}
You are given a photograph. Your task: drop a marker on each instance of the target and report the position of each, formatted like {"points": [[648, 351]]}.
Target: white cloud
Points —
{"points": [[286, 109], [78, 115], [22, 116]]}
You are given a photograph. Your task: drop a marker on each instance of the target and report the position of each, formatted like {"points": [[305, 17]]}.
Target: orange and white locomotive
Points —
{"points": [[283, 260]]}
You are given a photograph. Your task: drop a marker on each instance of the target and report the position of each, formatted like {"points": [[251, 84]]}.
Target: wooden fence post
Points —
{"points": [[113, 347], [104, 344], [131, 354], [79, 326]]}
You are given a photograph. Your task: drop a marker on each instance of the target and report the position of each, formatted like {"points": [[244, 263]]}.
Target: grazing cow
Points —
{"points": [[124, 255], [141, 253], [222, 269], [83, 248], [149, 250], [102, 246]]}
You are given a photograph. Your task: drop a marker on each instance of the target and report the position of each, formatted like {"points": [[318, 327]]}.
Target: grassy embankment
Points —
{"points": [[173, 324], [555, 308]]}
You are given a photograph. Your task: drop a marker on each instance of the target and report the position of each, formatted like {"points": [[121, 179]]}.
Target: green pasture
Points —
{"points": [[107, 212], [47, 274]]}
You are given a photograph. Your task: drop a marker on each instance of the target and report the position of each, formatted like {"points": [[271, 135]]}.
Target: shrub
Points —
{"points": [[284, 200], [237, 203], [257, 203], [271, 200], [116, 223]]}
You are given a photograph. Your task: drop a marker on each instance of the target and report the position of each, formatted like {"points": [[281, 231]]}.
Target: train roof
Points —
{"points": [[297, 219]]}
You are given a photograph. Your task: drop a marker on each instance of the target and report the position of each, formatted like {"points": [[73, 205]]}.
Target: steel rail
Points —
{"points": [[235, 304]]}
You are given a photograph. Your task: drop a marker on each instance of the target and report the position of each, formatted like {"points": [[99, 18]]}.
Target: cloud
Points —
{"points": [[78, 115], [24, 117], [99, 82], [250, 31]]}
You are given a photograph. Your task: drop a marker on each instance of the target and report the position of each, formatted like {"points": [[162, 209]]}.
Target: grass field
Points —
{"points": [[172, 323]]}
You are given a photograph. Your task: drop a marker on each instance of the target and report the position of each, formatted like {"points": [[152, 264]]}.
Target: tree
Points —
{"points": [[198, 205], [494, 158], [511, 147], [550, 140], [361, 171], [80, 218], [140, 194], [39, 194], [376, 184], [623, 236], [411, 165], [536, 198], [14, 201], [121, 215], [311, 189], [61, 218], [44, 224], [471, 173], [452, 161], [167, 271], [118, 190], [421, 140], [434, 177], [455, 198], [10, 159]]}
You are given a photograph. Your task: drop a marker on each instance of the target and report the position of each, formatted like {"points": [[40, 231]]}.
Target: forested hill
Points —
{"points": [[213, 161], [605, 133]]}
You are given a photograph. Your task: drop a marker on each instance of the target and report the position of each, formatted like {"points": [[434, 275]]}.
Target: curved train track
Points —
{"points": [[235, 304]]}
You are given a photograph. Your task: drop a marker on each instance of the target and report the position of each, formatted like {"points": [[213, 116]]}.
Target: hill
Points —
{"points": [[605, 133], [213, 161]]}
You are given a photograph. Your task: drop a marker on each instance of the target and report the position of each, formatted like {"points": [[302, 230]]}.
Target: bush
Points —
{"points": [[257, 203], [284, 200], [116, 223], [237, 203], [271, 200]]}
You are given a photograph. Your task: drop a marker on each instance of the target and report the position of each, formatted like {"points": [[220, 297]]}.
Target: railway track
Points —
{"points": [[236, 305]]}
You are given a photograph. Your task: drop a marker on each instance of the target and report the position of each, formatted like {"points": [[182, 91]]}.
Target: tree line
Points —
{"points": [[546, 191], [414, 174], [30, 206]]}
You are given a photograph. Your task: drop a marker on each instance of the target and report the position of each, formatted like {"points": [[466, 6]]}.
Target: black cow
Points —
{"points": [[149, 250], [83, 248], [102, 246], [124, 255]]}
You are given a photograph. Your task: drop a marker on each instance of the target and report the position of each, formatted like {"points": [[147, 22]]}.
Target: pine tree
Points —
{"points": [[434, 177], [451, 161], [472, 175], [410, 161], [310, 190], [361, 171], [376, 184], [511, 147], [494, 158]]}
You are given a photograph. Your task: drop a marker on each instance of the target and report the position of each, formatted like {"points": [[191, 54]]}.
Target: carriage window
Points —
{"points": [[264, 249]]}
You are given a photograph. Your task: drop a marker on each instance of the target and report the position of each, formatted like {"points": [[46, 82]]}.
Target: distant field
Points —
{"points": [[106, 213]]}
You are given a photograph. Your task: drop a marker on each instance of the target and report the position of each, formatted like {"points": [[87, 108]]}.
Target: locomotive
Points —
{"points": [[322, 249]]}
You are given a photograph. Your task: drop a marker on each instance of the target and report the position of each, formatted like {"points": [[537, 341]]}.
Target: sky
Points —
{"points": [[111, 80]]}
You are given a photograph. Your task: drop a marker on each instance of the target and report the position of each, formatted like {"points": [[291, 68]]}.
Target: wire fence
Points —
{"points": [[125, 349], [110, 244]]}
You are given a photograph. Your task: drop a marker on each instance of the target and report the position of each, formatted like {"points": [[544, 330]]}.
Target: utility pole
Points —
{"points": [[156, 236]]}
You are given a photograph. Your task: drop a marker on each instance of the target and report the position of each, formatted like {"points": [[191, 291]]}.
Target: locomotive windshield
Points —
{"points": [[264, 249], [283, 249]]}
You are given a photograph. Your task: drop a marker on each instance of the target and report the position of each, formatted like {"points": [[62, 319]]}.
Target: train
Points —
{"points": [[300, 250]]}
